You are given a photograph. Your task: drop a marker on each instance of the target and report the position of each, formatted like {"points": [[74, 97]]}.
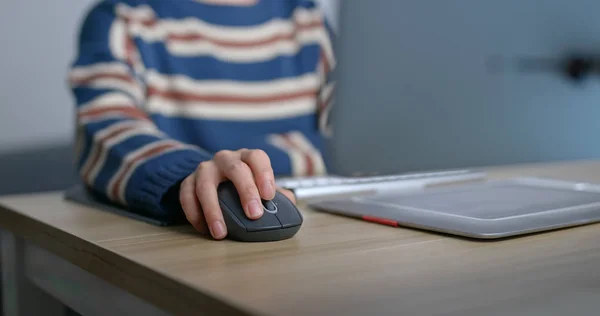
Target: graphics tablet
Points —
{"points": [[483, 210]]}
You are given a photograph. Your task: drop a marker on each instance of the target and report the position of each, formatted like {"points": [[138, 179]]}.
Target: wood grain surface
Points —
{"points": [[333, 266]]}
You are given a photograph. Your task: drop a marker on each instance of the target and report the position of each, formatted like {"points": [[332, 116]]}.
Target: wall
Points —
{"points": [[445, 88], [35, 106]]}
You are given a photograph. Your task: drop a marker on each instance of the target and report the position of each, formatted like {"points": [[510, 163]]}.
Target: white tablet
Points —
{"points": [[484, 210]]}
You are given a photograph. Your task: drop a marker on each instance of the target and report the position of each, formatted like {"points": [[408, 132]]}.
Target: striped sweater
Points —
{"points": [[161, 86]]}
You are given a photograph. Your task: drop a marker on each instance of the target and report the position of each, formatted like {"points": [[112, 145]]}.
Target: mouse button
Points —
{"points": [[289, 219], [232, 220], [288, 214], [266, 222], [269, 206]]}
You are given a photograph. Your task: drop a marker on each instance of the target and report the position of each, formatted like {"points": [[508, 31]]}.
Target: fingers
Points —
{"points": [[191, 205], [241, 176], [250, 172], [208, 178], [260, 165]]}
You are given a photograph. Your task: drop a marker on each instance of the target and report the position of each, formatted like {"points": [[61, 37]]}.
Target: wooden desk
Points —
{"points": [[334, 266]]}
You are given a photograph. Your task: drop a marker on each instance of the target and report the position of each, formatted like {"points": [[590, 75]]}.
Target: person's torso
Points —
{"points": [[214, 74]]}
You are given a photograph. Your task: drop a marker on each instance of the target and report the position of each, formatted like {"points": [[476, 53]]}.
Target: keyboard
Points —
{"points": [[309, 188]]}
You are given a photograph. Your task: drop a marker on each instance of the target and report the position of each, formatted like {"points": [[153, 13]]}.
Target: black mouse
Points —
{"points": [[280, 220]]}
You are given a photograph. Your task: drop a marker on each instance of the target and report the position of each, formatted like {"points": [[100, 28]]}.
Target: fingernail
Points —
{"points": [[255, 209], [217, 229]]}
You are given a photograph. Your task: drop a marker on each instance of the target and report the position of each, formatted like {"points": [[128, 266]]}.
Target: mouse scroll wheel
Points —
{"points": [[269, 206]]}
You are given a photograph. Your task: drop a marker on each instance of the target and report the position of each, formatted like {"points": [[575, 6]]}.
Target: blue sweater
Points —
{"points": [[161, 86]]}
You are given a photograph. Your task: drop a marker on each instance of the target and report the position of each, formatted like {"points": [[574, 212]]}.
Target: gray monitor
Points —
{"points": [[436, 85]]}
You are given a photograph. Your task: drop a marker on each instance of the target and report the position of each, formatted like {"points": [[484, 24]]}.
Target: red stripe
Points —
{"points": [[220, 42], [379, 220], [129, 50], [185, 96], [99, 144], [149, 152], [326, 64], [145, 22], [309, 163], [88, 79], [125, 111]]}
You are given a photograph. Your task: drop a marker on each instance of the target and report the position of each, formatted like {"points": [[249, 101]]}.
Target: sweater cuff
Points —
{"points": [[158, 189]]}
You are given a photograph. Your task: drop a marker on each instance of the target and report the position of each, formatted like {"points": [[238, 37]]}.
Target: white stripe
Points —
{"points": [[327, 91], [125, 124], [140, 12], [117, 36], [248, 89], [106, 101], [307, 147], [108, 68], [242, 34], [297, 158], [130, 157], [247, 54], [111, 142], [327, 47], [321, 72], [241, 112]]}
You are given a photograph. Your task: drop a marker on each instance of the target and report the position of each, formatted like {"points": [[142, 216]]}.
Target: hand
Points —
{"points": [[252, 175]]}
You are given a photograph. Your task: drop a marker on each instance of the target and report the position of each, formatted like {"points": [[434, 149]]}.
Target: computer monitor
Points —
{"points": [[435, 85]]}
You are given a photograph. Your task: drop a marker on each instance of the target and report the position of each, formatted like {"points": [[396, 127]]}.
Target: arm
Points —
{"points": [[122, 156]]}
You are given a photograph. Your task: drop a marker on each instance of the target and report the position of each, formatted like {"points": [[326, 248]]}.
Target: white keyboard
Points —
{"points": [[308, 188]]}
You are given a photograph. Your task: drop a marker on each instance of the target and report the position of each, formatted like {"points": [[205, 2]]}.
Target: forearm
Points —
{"points": [[121, 154]]}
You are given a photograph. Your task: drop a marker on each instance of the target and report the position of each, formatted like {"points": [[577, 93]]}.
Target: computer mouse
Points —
{"points": [[280, 220]]}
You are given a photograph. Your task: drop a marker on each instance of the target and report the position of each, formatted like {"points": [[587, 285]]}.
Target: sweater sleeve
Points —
{"points": [[121, 155]]}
